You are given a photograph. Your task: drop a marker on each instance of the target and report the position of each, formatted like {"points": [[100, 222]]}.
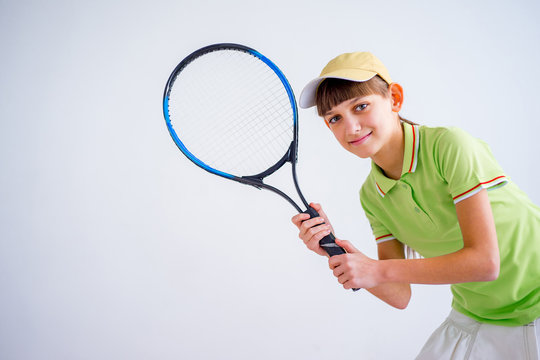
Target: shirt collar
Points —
{"points": [[384, 184]]}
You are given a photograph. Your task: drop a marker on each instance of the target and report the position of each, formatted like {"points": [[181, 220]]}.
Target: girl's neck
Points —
{"points": [[390, 157]]}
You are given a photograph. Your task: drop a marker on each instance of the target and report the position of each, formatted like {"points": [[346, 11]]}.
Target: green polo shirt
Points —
{"points": [[441, 167]]}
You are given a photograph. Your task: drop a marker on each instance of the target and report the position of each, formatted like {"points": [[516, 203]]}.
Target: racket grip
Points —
{"points": [[328, 243]]}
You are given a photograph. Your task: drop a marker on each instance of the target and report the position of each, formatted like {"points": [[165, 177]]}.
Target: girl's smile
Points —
{"points": [[360, 140]]}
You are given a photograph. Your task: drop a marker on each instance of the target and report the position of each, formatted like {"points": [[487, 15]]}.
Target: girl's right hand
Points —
{"points": [[313, 230]]}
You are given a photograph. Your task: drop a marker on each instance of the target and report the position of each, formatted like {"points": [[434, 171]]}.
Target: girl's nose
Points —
{"points": [[353, 125]]}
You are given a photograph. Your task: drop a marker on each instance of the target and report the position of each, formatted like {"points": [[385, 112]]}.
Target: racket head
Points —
{"points": [[232, 112]]}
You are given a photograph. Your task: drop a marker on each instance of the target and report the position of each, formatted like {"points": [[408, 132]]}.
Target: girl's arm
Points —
{"points": [[396, 294], [478, 260], [313, 230]]}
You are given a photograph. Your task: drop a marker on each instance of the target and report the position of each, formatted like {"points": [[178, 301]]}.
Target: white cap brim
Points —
{"points": [[307, 97], [309, 93]]}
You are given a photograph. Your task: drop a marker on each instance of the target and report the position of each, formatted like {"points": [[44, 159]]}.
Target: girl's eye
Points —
{"points": [[333, 119], [360, 107]]}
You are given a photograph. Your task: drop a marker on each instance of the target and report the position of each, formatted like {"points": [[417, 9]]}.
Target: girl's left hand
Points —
{"points": [[354, 269]]}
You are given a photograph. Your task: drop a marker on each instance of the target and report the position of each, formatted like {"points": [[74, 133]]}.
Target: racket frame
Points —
{"points": [[253, 180], [328, 242]]}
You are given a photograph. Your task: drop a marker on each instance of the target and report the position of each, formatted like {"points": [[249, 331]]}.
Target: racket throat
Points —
{"points": [[259, 184], [292, 153], [253, 181]]}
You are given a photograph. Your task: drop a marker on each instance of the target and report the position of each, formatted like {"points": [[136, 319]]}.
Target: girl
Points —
{"points": [[428, 191]]}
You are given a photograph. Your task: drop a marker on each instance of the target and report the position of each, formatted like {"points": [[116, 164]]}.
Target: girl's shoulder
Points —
{"points": [[444, 138], [443, 132]]}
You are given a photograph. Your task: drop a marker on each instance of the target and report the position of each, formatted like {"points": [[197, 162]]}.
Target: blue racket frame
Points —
{"points": [[256, 180]]}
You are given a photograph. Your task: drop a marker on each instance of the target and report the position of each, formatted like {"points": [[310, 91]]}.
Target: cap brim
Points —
{"points": [[308, 94]]}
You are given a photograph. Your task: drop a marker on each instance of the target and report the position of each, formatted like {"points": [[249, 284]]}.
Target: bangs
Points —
{"points": [[332, 92]]}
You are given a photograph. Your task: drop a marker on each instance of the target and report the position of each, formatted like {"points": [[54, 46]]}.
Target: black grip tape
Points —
{"points": [[328, 243]]}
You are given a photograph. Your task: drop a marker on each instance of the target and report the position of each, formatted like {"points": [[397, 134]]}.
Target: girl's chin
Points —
{"points": [[360, 154]]}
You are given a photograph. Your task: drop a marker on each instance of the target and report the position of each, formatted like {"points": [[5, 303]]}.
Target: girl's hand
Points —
{"points": [[354, 269], [313, 230]]}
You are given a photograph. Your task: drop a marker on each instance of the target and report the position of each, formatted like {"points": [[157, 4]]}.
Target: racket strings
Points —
{"points": [[238, 159], [227, 110], [232, 112], [269, 108], [244, 131], [270, 157]]}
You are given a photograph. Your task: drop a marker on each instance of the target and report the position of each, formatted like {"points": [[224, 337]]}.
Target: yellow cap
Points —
{"points": [[357, 66]]}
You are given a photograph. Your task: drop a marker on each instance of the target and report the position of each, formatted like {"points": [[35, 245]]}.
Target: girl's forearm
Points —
{"points": [[465, 265], [397, 295]]}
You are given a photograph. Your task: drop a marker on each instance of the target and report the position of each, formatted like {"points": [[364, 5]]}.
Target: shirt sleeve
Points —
{"points": [[380, 232], [467, 164]]}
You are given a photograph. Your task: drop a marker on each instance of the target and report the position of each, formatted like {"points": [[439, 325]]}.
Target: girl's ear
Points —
{"points": [[396, 94]]}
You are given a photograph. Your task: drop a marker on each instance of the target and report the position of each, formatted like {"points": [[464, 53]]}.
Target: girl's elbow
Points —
{"points": [[493, 272], [402, 305], [401, 302], [485, 264], [492, 269]]}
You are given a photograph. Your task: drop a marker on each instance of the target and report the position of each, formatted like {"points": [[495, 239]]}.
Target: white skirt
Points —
{"points": [[462, 338]]}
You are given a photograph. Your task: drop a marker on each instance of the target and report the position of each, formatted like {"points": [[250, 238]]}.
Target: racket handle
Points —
{"points": [[328, 243]]}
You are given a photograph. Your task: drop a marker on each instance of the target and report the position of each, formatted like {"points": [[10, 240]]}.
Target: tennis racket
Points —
{"points": [[232, 112]]}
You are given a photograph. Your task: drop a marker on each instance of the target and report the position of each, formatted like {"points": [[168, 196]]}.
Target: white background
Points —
{"points": [[114, 246]]}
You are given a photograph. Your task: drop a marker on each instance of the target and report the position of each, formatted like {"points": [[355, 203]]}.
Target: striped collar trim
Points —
{"points": [[410, 159], [412, 141]]}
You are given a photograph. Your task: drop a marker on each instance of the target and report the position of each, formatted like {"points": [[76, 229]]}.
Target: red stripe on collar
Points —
{"points": [[413, 148]]}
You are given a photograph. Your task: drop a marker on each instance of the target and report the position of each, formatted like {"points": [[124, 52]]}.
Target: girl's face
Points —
{"points": [[363, 125]]}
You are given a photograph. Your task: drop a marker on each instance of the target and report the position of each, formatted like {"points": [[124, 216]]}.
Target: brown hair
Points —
{"points": [[332, 92]]}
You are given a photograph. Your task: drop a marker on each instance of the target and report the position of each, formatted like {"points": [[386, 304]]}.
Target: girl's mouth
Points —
{"points": [[360, 140]]}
